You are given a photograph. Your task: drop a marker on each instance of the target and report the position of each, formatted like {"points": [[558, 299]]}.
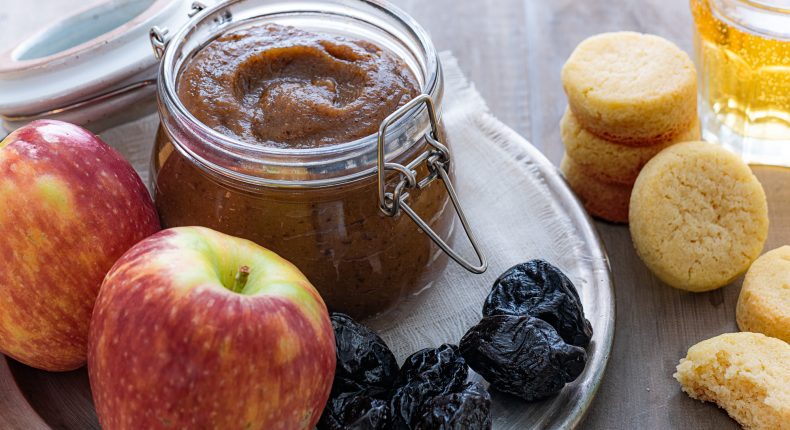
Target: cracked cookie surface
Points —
{"points": [[631, 88], [698, 216], [747, 374], [764, 302]]}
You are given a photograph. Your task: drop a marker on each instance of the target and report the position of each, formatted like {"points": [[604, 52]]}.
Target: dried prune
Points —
{"points": [[469, 409], [362, 356], [538, 289], [364, 376], [366, 409], [370, 392], [442, 367], [367, 413], [425, 374], [521, 355]]}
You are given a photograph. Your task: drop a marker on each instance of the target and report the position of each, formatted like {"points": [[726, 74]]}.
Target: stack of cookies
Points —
{"points": [[630, 95]]}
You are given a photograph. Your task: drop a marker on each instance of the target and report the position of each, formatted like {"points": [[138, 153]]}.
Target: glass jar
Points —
{"points": [[347, 215], [743, 58]]}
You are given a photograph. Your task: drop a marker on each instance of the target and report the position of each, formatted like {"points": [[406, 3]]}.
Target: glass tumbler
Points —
{"points": [[743, 59]]}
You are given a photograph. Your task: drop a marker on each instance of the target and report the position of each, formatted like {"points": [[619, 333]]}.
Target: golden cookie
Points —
{"points": [[631, 88], [608, 161], [747, 374], [602, 200], [764, 303], [698, 216]]}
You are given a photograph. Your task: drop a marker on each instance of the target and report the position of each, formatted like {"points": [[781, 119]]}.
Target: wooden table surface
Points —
{"points": [[513, 51]]}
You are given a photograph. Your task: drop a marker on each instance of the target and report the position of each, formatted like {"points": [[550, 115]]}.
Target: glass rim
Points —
{"points": [[769, 6]]}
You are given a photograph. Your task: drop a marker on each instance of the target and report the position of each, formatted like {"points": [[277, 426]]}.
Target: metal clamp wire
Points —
{"points": [[437, 159]]}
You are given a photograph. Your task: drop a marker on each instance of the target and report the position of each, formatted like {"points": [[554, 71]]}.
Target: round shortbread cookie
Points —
{"points": [[601, 200], [746, 374], [608, 161], [698, 216], [631, 88], [764, 303]]}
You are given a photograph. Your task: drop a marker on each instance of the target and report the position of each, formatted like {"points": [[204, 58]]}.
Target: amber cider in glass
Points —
{"points": [[743, 60]]}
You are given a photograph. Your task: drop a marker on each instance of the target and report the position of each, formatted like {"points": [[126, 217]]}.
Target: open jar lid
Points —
{"points": [[94, 67]]}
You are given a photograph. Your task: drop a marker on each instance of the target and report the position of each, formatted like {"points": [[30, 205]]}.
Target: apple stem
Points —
{"points": [[241, 279]]}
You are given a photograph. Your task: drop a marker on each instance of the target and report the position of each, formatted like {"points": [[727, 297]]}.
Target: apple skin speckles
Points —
{"points": [[63, 226], [192, 353]]}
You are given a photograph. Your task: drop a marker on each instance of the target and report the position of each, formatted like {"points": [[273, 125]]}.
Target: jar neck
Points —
{"points": [[259, 165]]}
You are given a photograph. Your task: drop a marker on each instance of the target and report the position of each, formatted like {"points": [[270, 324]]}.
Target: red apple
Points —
{"points": [[197, 329], [69, 207]]}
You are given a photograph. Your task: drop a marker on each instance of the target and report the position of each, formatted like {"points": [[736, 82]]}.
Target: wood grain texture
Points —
{"points": [[489, 39], [513, 50]]}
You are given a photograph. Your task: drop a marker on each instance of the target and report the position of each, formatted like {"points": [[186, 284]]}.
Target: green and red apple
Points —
{"points": [[70, 206], [197, 329]]}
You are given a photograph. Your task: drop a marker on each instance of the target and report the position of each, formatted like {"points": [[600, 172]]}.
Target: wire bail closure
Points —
{"points": [[437, 157], [159, 35]]}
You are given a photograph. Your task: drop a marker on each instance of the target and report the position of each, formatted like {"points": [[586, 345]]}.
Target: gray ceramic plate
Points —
{"points": [[520, 207]]}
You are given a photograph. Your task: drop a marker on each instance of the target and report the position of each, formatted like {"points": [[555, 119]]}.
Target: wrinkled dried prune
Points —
{"points": [[370, 392], [469, 409], [373, 414], [425, 374], [362, 356], [521, 355], [364, 409], [442, 367], [364, 376], [538, 289]]}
